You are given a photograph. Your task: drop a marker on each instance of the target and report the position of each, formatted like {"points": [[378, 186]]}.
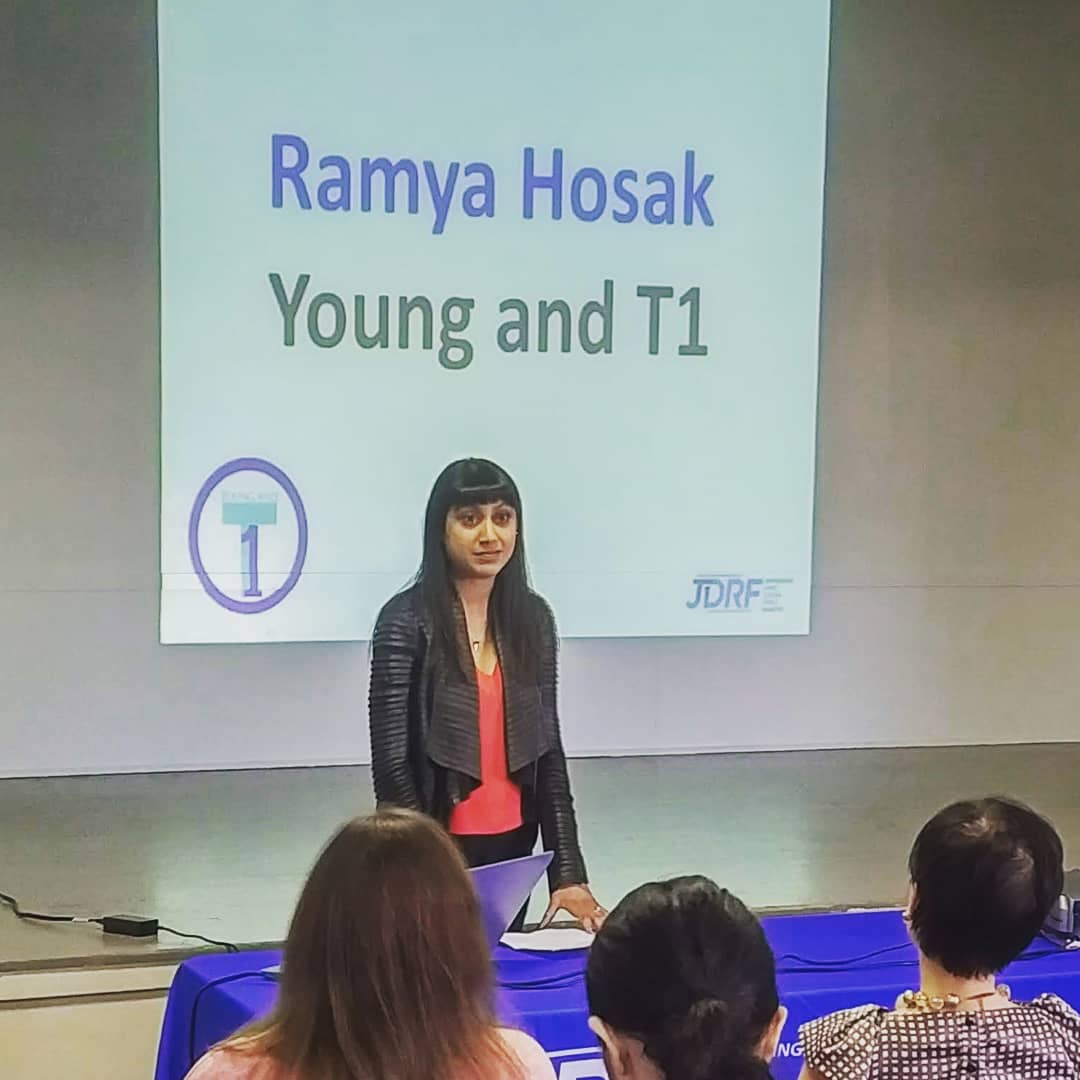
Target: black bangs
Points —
{"points": [[483, 495], [475, 482]]}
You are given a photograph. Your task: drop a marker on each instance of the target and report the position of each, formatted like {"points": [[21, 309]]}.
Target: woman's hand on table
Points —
{"points": [[578, 901]]}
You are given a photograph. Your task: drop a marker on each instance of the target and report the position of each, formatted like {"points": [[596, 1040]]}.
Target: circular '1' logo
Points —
{"points": [[248, 546]]}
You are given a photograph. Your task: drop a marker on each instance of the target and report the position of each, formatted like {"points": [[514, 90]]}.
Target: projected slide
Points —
{"points": [[583, 240]]}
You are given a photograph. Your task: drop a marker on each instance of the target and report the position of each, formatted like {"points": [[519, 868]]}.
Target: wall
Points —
{"points": [[108, 1020], [947, 545]]}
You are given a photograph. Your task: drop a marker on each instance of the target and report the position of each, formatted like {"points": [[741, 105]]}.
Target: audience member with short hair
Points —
{"points": [[387, 973], [682, 986], [984, 876]]}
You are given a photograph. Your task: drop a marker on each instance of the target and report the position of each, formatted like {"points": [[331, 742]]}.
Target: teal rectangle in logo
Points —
{"points": [[244, 513]]}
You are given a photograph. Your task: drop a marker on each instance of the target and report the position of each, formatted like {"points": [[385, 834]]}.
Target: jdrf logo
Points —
{"points": [[247, 538], [725, 592]]}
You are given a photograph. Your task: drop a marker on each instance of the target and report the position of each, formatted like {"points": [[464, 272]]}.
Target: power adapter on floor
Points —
{"points": [[129, 926]]}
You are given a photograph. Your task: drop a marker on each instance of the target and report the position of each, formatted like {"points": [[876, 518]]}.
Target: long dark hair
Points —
{"points": [[683, 966], [387, 973], [514, 610]]}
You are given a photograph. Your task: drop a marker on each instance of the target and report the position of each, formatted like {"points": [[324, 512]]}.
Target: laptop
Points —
{"points": [[504, 888]]}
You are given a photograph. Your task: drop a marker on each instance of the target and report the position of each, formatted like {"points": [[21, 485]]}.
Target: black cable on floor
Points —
{"points": [[99, 920], [37, 916], [228, 946]]}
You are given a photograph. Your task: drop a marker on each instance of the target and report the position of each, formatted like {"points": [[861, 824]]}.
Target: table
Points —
{"points": [[213, 995], [825, 962]]}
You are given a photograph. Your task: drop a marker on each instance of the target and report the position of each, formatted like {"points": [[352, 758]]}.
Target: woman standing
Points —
{"points": [[464, 724]]}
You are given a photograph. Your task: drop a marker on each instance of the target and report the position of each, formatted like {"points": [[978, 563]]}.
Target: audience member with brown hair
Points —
{"points": [[387, 973]]}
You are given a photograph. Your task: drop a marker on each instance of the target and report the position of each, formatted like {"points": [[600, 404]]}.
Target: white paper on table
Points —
{"points": [[553, 939]]}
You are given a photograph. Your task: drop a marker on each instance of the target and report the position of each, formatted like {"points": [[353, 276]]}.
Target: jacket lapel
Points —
{"points": [[453, 738]]}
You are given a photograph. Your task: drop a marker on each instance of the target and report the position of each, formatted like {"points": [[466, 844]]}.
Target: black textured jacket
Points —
{"points": [[425, 734]]}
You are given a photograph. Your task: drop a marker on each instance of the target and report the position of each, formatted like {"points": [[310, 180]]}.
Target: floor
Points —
{"points": [[224, 854]]}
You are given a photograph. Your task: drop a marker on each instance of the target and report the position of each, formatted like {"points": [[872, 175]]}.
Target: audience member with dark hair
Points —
{"points": [[387, 973], [682, 986], [984, 876]]}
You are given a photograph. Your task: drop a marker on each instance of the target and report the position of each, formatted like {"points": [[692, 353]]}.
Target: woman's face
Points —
{"points": [[480, 539]]}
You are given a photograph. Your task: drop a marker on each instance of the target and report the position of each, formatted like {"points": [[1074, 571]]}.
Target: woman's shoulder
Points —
{"points": [[1056, 1007], [402, 605], [541, 605], [230, 1063], [535, 1062], [842, 1043], [400, 617], [1060, 1013], [542, 612]]}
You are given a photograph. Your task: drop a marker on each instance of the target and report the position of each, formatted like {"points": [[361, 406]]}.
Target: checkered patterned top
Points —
{"points": [[1039, 1040]]}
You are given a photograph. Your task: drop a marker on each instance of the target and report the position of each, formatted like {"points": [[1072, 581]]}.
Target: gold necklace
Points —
{"points": [[921, 1001]]}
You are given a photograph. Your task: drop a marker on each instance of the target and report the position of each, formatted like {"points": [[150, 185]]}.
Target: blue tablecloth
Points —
{"points": [[826, 962]]}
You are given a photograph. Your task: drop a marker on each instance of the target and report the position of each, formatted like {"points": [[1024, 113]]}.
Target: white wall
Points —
{"points": [[946, 601], [99, 1024]]}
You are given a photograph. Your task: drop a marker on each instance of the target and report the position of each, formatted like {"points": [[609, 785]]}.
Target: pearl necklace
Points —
{"points": [[921, 1001]]}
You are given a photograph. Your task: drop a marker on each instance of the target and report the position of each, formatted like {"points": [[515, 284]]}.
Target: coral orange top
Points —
{"points": [[495, 806]]}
